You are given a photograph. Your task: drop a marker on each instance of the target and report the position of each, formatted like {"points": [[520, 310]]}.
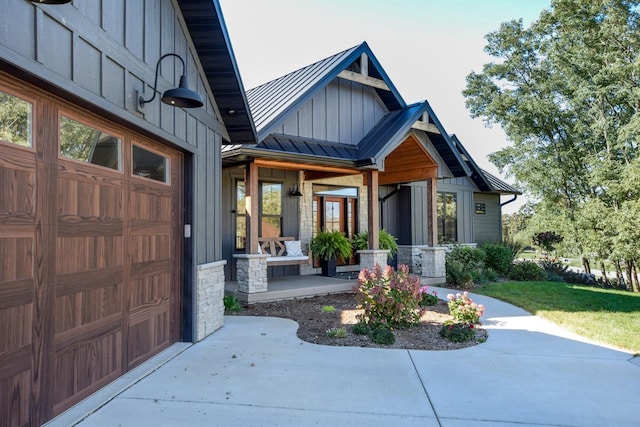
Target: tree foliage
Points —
{"points": [[566, 91]]}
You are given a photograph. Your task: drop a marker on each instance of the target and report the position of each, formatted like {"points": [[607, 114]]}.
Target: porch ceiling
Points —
{"points": [[409, 162]]}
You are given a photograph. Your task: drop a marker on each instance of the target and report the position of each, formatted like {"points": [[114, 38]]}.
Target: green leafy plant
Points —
{"points": [[547, 240], [463, 309], [426, 298], [361, 328], [464, 265], [498, 257], [458, 332], [328, 308], [337, 333], [526, 271], [382, 335], [231, 304], [389, 297], [386, 241], [328, 245]]}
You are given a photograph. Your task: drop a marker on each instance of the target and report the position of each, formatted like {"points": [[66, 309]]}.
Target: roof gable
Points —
{"points": [[392, 130], [210, 37], [271, 102]]}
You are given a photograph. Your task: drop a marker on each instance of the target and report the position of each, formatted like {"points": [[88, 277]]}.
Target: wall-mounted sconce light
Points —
{"points": [[181, 96], [51, 1], [295, 191]]}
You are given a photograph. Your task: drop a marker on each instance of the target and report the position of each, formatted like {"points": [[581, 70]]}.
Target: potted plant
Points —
{"points": [[329, 246], [385, 241]]}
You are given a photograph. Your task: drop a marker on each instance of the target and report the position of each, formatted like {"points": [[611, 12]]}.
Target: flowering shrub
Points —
{"points": [[463, 309], [427, 298], [458, 332], [389, 297]]}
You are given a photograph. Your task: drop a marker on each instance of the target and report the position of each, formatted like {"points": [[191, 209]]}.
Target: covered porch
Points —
{"points": [[294, 287]]}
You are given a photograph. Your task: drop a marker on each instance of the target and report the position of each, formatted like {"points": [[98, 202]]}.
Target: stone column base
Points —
{"points": [[411, 256], [433, 264], [369, 258], [251, 272], [210, 292]]}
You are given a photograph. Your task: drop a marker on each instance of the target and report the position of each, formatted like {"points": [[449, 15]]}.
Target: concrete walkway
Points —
{"points": [[256, 372]]}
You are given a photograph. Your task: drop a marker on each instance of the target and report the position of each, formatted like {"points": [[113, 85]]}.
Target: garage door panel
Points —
{"points": [[88, 253], [87, 365], [77, 310], [147, 248], [16, 321], [18, 190], [89, 199], [149, 336], [151, 207], [14, 396]]}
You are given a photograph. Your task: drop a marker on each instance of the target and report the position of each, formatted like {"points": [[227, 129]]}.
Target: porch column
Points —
{"points": [[373, 209], [432, 211], [251, 207], [433, 265]]}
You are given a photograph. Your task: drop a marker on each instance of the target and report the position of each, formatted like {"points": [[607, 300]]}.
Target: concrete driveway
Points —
{"points": [[256, 372]]}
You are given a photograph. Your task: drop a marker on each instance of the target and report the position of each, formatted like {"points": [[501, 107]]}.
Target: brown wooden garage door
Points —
{"points": [[90, 272]]}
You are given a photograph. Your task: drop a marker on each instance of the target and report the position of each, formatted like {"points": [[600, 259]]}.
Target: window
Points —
{"points": [[150, 165], [15, 120], [447, 218], [270, 212], [86, 144], [241, 217]]}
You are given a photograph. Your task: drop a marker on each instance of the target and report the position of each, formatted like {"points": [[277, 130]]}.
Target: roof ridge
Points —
{"points": [[305, 67]]}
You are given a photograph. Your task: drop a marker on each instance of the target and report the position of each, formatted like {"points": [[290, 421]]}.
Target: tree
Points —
{"points": [[566, 91]]}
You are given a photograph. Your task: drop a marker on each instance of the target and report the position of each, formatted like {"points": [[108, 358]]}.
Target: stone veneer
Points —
{"points": [[433, 264], [209, 299], [412, 257], [251, 272], [369, 258]]}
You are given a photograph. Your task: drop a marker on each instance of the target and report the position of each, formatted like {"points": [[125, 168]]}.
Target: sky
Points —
{"points": [[426, 47]]}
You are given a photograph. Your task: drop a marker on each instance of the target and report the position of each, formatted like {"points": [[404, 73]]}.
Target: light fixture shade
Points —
{"points": [[182, 96], [51, 1]]}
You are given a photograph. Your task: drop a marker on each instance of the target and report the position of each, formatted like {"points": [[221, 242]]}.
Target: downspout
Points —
{"points": [[515, 196]]}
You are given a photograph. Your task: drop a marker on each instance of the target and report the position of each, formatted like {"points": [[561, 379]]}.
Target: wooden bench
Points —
{"points": [[277, 251]]}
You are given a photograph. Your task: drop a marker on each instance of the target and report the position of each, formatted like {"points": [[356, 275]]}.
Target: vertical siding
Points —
{"points": [[343, 111], [488, 227], [464, 189], [420, 226], [106, 51]]}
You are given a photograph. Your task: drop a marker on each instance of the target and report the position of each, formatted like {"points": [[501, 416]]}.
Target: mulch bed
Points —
{"points": [[314, 322]]}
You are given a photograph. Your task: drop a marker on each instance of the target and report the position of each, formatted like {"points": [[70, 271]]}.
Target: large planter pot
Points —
{"points": [[328, 267]]}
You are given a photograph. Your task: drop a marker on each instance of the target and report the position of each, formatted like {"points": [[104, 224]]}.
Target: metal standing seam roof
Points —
{"points": [[210, 37], [483, 179], [270, 102]]}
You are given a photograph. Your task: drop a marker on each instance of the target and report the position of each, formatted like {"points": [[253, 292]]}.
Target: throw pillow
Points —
{"points": [[293, 248]]}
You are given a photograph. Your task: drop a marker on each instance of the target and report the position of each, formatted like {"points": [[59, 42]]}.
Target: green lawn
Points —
{"points": [[607, 316]]}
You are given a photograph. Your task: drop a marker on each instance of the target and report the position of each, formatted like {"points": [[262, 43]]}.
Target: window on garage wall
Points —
{"points": [[79, 141], [16, 121]]}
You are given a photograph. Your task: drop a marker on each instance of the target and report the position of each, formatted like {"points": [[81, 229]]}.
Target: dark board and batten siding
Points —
{"points": [[343, 111], [90, 58]]}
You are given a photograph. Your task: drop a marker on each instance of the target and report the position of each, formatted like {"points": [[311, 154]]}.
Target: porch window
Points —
{"points": [[15, 120], [241, 217], [270, 212], [447, 218], [271, 209]]}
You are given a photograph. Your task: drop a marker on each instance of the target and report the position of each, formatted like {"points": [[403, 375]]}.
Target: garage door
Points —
{"points": [[90, 273]]}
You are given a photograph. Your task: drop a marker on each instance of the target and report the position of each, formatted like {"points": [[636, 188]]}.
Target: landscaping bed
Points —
{"points": [[315, 318]]}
